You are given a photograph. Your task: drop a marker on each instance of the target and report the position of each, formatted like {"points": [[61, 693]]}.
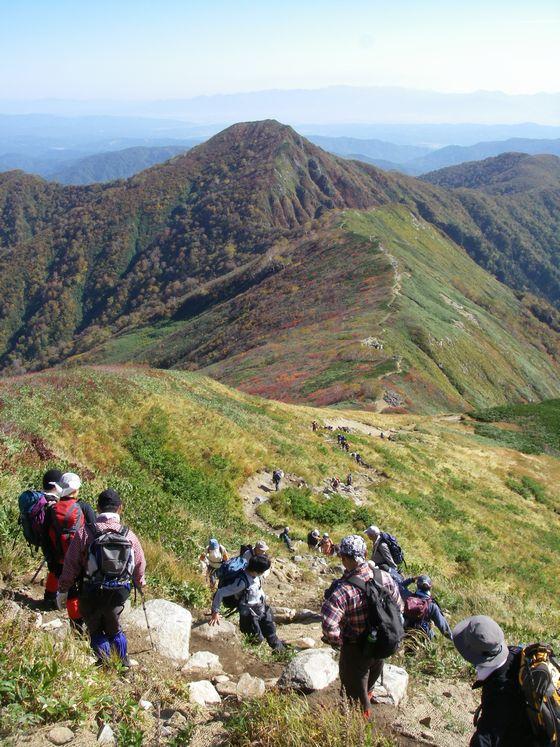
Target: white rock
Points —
{"points": [[309, 670], [221, 678], [223, 631], [227, 688], [106, 735], [60, 735], [271, 682], [170, 625], [203, 693], [250, 687], [10, 610], [283, 614], [203, 662], [146, 705], [305, 615], [391, 687], [305, 643], [53, 624]]}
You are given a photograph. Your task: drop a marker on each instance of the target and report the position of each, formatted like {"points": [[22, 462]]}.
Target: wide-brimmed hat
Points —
{"points": [[261, 545], [481, 641]]}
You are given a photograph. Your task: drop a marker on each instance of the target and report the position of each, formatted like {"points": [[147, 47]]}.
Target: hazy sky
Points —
{"points": [[140, 49]]}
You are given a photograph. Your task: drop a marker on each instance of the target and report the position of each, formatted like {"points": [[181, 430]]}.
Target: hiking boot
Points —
{"points": [[49, 601], [367, 714]]}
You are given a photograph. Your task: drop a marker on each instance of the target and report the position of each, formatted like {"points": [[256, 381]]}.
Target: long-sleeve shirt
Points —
{"points": [[344, 613], [434, 614], [250, 587], [75, 562], [381, 555]]}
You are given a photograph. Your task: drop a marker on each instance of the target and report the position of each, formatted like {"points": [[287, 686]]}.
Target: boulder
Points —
{"points": [[177, 720], [203, 693], [227, 688], [220, 679], [391, 687], [223, 631], [309, 670], [271, 682], [283, 614], [203, 662], [250, 687], [60, 735], [170, 625]]}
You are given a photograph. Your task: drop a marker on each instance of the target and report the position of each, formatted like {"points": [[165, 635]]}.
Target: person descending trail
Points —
{"points": [[326, 545], [213, 557], [286, 539], [109, 560], [520, 688], [420, 610], [349, 480], [33, 508], [244, 592], [360, 618], [277, 477], [386, 551], [260, 549], [314, 425], [62, 520], [313, 539]]}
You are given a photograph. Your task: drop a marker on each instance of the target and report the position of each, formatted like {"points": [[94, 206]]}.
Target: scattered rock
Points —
{"points": [[271, 682], [60, 735], [170, 625], [224, 630], [203, 662], [309, 670], [391, 687], [10, 610], [250, 687], [283, 614], [146, 705], [306, 616], [53, 624], [426, 721], [447, 694], [226, 688], [221, 678], [298, 559], [203, 693], [177, 721], [305, 643], [106, 735]]}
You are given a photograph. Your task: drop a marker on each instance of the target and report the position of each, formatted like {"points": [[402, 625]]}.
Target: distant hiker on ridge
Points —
{"points": [[110, 560], [326, 545], [277, 477], [313, 539], [285, 537]]}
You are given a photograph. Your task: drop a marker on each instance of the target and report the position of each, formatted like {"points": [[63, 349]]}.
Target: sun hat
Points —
{"points": [[481, 641], [261, 545], [69, 483]]}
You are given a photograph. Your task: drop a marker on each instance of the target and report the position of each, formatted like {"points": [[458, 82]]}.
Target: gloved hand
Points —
{"points": [[61, 598]]}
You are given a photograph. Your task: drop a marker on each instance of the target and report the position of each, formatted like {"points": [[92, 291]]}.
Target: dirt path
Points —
{"points": [[258, 489], [355, 425]]}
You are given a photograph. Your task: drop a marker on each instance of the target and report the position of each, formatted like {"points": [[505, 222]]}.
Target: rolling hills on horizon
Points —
{"points": [[290, 272]]}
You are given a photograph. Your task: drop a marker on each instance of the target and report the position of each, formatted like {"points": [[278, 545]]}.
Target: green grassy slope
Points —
{"points": [[452, 335]]}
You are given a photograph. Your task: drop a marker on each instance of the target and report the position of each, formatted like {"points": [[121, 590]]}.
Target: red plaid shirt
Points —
{"points": [[345, 611]]}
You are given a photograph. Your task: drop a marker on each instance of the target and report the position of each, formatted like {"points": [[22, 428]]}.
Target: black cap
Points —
{"points": [[50, 477], [108, 499]]}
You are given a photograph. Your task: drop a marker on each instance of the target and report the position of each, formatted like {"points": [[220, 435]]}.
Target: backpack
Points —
{"points": [[32, 511], [384, 631], [277, 475], [243, 549], [397, 553], [110, 563], [231, 571], [415, 609], [66, 518], [539, 677]]}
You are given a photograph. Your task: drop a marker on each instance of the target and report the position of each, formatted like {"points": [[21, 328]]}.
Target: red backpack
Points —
{"points": [[415, 609], [66, 518]]}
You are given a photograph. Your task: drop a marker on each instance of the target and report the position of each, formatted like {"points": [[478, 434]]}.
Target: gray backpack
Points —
{"points": [[110, 560]]}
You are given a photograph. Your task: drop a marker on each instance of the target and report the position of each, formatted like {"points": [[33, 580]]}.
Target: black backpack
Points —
{"points": [[110, 562], [385, 630], [397, 553]]}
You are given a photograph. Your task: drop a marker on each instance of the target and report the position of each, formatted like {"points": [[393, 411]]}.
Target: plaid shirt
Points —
{"points": [[345, 611], [76, 558]]}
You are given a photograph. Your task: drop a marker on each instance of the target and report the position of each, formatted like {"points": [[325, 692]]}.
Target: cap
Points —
{"points": [[213, 543], [108, 499], [315, 532], [69, 483], [261, 545], [424, 582], [481, 641], [51, 478], [353, 546], [372, 530], [326, 535]]}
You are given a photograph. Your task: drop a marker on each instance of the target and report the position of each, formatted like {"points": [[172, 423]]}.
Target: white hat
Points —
{"points": [[69, 483], [261, 545], [372, 530]]}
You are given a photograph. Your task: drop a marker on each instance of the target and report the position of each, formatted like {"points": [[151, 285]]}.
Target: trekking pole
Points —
{"points": [[38, 571], [146, 616]]}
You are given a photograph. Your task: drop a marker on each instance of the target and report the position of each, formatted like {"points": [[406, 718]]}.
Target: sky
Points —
{"points": [[158, 49]]}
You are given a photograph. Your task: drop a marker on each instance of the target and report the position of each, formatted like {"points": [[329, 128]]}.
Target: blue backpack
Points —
{"points": [[32, 506], [397, 553], [227, 573]]}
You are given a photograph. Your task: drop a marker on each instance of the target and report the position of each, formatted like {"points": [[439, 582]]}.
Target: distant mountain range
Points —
{"points": [[261, 259]]}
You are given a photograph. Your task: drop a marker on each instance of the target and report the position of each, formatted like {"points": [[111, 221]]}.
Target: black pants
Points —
{"points": [[260, 627], [358, 673], [101, 611]]}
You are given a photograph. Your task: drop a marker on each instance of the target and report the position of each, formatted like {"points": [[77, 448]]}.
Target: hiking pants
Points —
{"points": [[358, 673], [260, 627], [101, 611]]}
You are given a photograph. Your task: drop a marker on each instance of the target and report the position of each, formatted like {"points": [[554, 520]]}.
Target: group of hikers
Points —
{"points": [[94, 561]]}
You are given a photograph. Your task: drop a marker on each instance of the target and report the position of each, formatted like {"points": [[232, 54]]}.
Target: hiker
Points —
{"points": [[62, 520], [277, 476], [349, 480], [504, 718], [245, 593], [313, 539], [314, 425], [109, 560], [380, 553], [326, 545], [286, 539], [213, 557], [421, 610], [33, 506], [260, 549], [335, 483], [346, 621], [389, 583], [346, 447]]}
